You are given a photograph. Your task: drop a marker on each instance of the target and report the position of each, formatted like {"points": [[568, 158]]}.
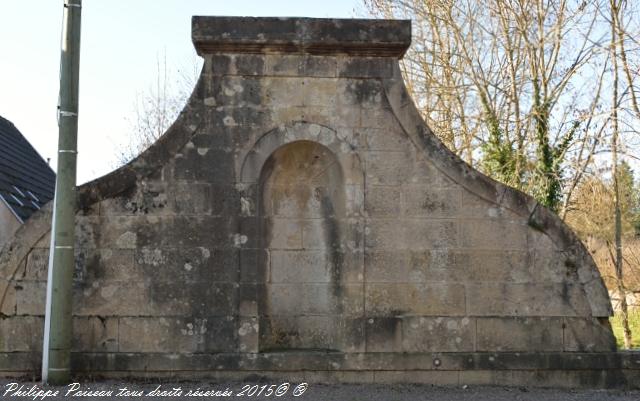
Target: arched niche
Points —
{"points": [[309, 187], [302, 209]]}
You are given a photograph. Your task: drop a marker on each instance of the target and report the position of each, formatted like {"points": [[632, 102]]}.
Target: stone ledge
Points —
{"points": [[572, 370], [321, 36], [336, 361]]}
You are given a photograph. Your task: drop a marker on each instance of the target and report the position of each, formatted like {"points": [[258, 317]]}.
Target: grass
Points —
{"points": [[634, 325]]}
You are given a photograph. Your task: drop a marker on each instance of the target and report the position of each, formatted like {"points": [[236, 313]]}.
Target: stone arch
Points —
{"points": [[307, 220]]}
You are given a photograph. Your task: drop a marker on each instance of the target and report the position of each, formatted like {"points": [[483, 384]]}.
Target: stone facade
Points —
{"points": [[299, 203]]}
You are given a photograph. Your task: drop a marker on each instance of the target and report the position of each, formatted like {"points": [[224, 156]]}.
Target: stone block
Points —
{"points": [[382, 201], [283, 92], [118, 232], [199, 198], [517, 299], [422, 201], [254, 265], [95, 334], [320, 92], [214, 165], [474, 206], [387, 266], [184, 231], [429, 299], [432, 265], [381, 117], [235, 64], [177, 334], [493, 266], [212, 140], [249, 64], [297, 201], [338, 377], [106, 264], [328, 332], [411, 266], [384, 139], [384, 334], [9, 302], [365, 67], [30, 297], [193, 299], [315, 298], [424, 172], [432, 377], [111, 298], [248, 334], [588, 335], [387, 168], [311, 266], [149, 198], [485, 377], [430, 234], [328, 116], [300, 65], [236, 90], [87, 231], [37, 264], [283, 65], [21, 333], [519, 334], [323, 233], [187, 265], [360, 93], [493, 234], [319, 66], [438, 334], [384, 234], [549, 265], [284, 233], [409, 234], [250, 299]]}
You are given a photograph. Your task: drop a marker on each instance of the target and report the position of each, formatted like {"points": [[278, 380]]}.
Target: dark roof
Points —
{"points": [[26, 180]]}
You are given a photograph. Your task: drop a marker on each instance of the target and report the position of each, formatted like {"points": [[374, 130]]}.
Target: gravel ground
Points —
{"points": [[314, 392]]}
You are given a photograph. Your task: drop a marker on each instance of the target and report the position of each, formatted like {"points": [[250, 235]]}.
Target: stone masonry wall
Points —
{"points": [[300, 203]]}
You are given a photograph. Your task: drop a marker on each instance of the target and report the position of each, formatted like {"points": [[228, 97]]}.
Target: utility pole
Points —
{"points": [[56, 350]]}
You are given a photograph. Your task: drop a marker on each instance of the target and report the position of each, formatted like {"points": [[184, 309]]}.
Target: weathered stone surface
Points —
{"points": [[21, 333], [588, 334], [519, 334], [300, 203], [419, 201], [492, 234], [171, 334], [30, 297], [526, 299], [438, 334], [95, 334], [437, 299]]}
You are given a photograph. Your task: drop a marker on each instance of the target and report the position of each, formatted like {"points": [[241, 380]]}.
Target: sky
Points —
{"points": [[121, 43]]}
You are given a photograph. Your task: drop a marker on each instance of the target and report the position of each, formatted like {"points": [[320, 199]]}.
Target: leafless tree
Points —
{"points": [[157, 107]]}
